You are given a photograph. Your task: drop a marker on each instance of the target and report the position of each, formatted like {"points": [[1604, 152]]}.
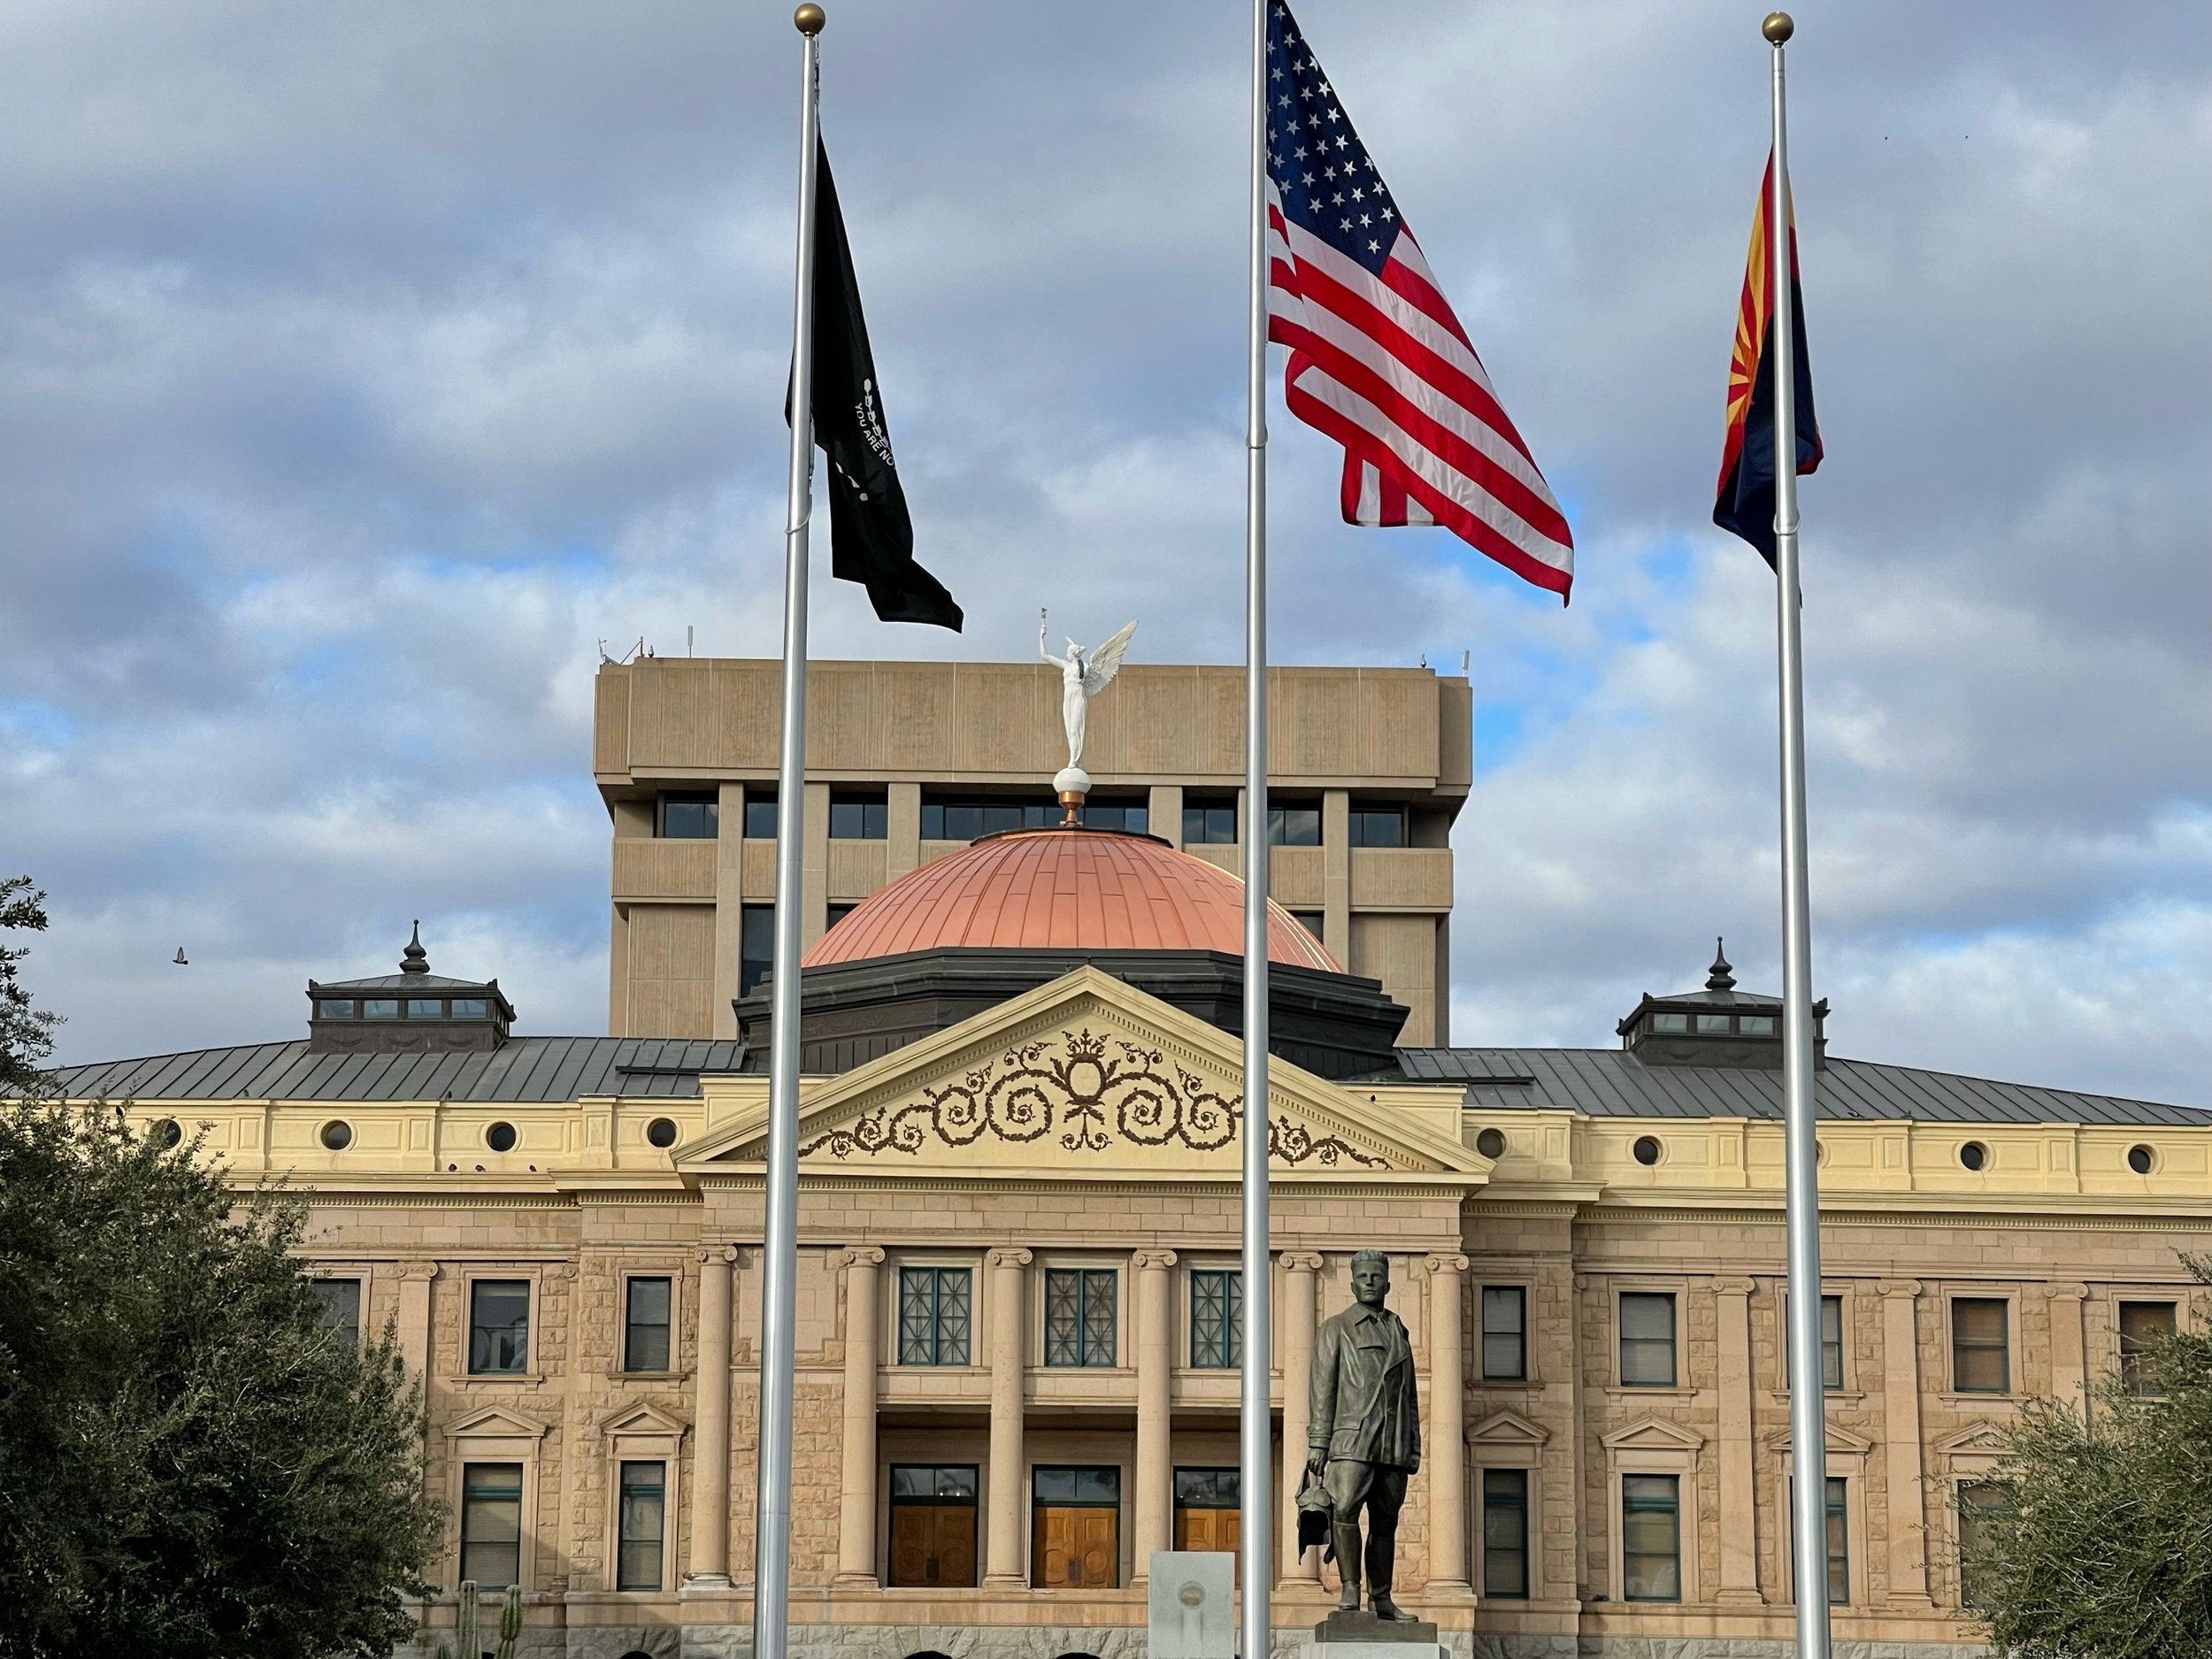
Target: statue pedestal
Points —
{"points": [[1361, 1635]]}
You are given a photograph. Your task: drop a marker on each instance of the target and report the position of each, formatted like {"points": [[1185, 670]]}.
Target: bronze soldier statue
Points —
{"points": [[1364, 1437]]}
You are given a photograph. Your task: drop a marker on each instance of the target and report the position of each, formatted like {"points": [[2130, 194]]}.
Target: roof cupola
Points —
{"points": [[412, 1011], [1718, 1026]]}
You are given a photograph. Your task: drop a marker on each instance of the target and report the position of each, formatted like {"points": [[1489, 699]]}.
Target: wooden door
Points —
{"points": [[1076, 1546], [932, 1544]]}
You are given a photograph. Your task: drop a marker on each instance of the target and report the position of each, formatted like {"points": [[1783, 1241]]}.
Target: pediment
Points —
{"points": [[1980, 1440], [632, 1418], [1083, 1077], [1507, 1428], [1841, 1441], [1653, 1434], [495, 1423]]}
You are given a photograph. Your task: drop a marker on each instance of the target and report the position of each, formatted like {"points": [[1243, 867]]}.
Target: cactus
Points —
{"points": [[465, 1630], [509, 1621]]}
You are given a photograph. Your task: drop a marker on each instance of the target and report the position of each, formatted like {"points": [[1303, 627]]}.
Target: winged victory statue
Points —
{"points": [[1083, 676]]}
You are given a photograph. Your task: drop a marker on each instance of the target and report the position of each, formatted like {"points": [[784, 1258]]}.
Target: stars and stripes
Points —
{"points": [[1378, 361]]}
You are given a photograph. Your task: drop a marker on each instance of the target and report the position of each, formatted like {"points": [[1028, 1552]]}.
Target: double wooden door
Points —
{"points": [[1076, 1546], [932, 1545]]}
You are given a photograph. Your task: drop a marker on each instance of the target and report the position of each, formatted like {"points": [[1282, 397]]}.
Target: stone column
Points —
{"points": [[1901, 1434], [2069, 1371], [710, 1420], [1739, 1541], [1010, 1307], [1294, 1323], [1447, 1438], [414, 1318], [1155, 1367], [856, 1503]]}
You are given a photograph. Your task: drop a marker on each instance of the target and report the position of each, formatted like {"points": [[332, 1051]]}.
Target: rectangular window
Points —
{"points": [[426, 1008], [690, 818], [1216, 1321], [1075, 1529], [1670, 1025], [499, 1327], [1118, 815], [1505, 1533], [1981, 1359], [756, 945], [1831, 1342], [1713, 1025], [1293, 826], [1976, 1499], [1080, 1316], [2143, 1326], [342, 1307], [1209, 823], [644, 1513], [381, 1007], [1379, 826], [336, 1008], [858, 817], [1504, 1334], [645, 1324], [760, 814], [470, 1007], [1839, 1543], [839, 912], [1651, 1537], [1647, 1339], [932, 1525], [951, 818], [491, 1525], [935, 1314], [1206, 1509], [1755, 1025], [1312, 921]]}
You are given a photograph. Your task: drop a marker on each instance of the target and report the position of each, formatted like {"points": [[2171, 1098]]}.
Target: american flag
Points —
{"points": [[1378, 361]]}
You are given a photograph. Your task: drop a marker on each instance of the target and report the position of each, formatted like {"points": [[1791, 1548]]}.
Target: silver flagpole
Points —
{"points": [[1256, 1487], [772, 1539], [1809, 1430]]}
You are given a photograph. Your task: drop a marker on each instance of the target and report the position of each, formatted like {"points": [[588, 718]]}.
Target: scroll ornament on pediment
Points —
{"points": [[1084, 1093]]}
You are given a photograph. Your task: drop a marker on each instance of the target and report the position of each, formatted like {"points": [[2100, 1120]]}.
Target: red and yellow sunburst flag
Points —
{"points": [[1745, 502]]}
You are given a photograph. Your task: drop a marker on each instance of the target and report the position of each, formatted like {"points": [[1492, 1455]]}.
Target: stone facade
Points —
{"points": [[912, 1161]]}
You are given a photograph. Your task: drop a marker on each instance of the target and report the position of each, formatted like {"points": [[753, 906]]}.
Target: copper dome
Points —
{"points": [[1061, 888]]}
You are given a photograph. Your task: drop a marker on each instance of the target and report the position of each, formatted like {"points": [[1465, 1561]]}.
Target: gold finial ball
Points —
{"points": [[808, 19], [1778, 27]]}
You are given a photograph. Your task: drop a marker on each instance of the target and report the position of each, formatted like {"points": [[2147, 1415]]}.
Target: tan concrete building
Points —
{"points": [[907, 762], [1018, 1271]]}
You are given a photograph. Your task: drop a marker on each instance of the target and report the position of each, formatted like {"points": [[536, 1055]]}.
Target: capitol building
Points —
{"points": [[1018, 1285]]}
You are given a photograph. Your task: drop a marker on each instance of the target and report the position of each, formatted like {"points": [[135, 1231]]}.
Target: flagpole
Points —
{"points": [[1255, 1484], [1809, 1433], [772, 1537]]}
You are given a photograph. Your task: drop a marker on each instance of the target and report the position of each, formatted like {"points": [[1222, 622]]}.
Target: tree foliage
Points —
{"points": [[2093, 1536], [190, 1463], [26, 1033]]}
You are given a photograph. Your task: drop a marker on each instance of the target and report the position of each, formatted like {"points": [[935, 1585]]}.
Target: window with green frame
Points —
{"points": [[1217, 1319], [936, 1313], [1080, 1315]]}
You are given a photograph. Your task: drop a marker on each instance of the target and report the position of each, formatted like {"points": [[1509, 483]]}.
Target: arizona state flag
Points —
{"points": [[1745, 502], [872, 539]]}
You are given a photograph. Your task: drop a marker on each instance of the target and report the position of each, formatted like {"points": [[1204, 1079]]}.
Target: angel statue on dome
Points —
{"points": [[1083, 677]]}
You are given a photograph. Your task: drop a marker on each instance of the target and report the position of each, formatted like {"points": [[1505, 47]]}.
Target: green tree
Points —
{"points": [[2093, 1537], [26, 1033], [190, 1463]]}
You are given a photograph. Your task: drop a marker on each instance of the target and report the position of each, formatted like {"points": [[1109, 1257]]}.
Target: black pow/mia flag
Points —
{"points": [[872, 539]]}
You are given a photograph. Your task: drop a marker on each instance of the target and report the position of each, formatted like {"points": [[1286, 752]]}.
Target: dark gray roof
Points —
{"points": [[521, 1069], [1613, 1083], [414, 983]]}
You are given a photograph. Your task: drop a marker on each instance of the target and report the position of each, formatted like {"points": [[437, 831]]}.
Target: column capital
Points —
{"points": [[1442, 1262], [1009, 1257], [419, 1272], [861, 1255], [1887, 1287], [2067, 1292], [1151, 1261], [726, 1254], [1302, 1261], [1734, 1287]]}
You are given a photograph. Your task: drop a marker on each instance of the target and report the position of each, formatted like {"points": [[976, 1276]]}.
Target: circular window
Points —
{"points": [[337, 1135], [500, 1137], [165, 1133], [1820, 1152], [2141, 1160], [1646, 1150], [661, 1132], [1973, 1154], [1490, 1143]]}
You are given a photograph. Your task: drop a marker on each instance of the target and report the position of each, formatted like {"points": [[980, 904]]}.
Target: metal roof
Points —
{"points": [[521, 1069], [417, 983], [1613, 1083]]}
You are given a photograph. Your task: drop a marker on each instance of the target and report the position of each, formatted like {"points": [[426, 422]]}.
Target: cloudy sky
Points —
{"points": [[363, 367]]}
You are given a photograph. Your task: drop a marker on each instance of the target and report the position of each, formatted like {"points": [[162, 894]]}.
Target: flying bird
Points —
{"points": [[180, 961]]}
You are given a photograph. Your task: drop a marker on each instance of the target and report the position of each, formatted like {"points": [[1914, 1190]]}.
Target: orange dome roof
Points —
{"points": [[1065, 889]]}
